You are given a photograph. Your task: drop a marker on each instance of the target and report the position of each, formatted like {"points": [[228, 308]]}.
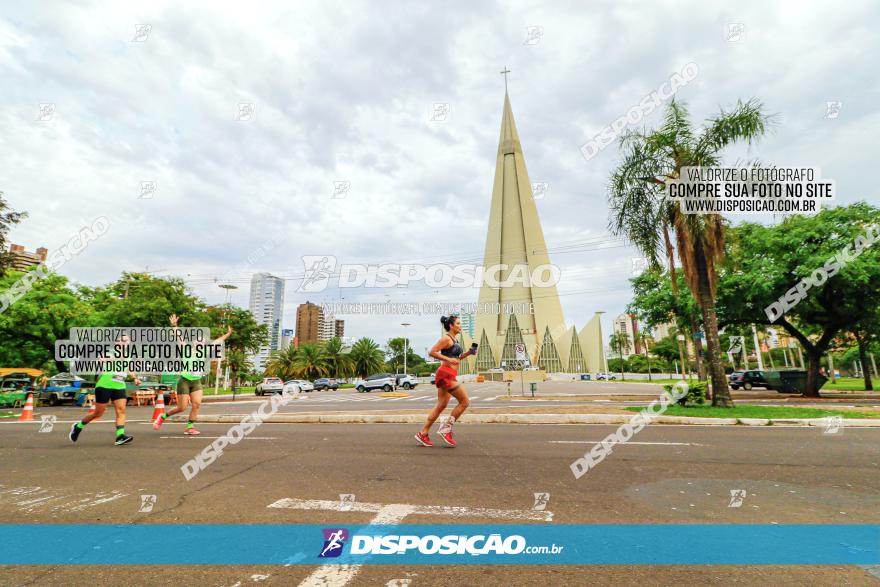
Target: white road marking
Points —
{"points": [[244, 438], [630, 442], [340, 575]]}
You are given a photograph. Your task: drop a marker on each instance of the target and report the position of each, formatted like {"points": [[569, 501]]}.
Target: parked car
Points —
{"points": [[305, 385], [434, 378], [292, 387], [605, 376], [406, 381], [269, 385], [326, 383], [748, 380], [383, 381]]}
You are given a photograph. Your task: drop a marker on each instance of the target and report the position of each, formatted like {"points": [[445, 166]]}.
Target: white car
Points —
{"points": [[606, 376], [269, 385], [292, 387], [303, 384], [383, 381]]}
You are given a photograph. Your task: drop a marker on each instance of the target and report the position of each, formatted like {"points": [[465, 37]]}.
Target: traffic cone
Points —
{"points": [[160, 405], [27, 412]]}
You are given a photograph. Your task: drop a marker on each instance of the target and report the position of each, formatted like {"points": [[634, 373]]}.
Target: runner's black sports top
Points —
{"points": [[454, 351]]}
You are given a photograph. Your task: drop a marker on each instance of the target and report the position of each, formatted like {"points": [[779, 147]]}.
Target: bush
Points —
{"points": [[696, 393]]}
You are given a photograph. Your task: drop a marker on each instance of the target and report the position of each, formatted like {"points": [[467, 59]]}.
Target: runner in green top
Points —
{"points": [[109, 387], [189, 390]]}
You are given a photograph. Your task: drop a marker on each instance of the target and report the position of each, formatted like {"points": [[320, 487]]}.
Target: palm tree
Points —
{"points": [[310, 361], [619, 343], [282, 363], [238, 362], [338, 359], [641, 211], [368, 358]]}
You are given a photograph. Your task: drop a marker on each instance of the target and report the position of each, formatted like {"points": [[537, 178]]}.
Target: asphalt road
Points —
{"points": [[673, 475]]}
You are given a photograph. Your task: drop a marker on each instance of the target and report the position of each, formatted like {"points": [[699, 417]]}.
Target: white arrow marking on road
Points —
{"points": [[339, 575]]}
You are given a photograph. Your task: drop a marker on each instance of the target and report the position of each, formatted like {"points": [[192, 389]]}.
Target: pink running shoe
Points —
{"points": [[157, 423], [446, 435], [191, 432], [424, 439]]}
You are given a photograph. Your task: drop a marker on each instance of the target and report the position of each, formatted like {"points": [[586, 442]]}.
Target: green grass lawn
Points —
{"points": [[850, 384], [751, 411], [221, 391]]}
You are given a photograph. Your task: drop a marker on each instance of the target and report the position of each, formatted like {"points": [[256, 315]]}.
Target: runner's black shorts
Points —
{"points": [[104, 395]]}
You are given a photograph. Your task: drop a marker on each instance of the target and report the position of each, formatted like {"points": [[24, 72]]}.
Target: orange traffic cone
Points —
{"points": [[27, 412], [160, 405]]}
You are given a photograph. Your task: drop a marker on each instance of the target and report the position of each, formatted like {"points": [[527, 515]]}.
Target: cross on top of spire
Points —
{"points": [[504, 72]]}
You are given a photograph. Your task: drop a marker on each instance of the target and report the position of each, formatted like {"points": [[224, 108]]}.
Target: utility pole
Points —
{"points": [[873, 364], [831, 367]]}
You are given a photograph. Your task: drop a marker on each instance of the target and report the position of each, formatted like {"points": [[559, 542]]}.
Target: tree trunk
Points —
{"points": [[720, 390], [814, 357], [682, 355], [863, 358]]}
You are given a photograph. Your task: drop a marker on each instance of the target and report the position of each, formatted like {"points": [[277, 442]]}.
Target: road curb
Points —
{"points": [[528, 419]]}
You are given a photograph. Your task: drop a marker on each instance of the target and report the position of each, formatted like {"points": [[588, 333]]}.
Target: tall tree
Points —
{"points": [[46, 313], [338, 358], [766, 263], [8, 218], [140, 299], [620, 343], [367, 356], [310, 361], [282, 363], [641, 210]]}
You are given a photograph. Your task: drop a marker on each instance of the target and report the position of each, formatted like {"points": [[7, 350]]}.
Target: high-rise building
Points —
{"points": [[528, 317], [326, 325], [629, 325], [286, 338], [339, 329], [308, 322], [267, 305], [22, 260], [468, 324]]}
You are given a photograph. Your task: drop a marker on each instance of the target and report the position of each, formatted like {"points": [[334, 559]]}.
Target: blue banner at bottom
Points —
{"points": [[411, 544]]}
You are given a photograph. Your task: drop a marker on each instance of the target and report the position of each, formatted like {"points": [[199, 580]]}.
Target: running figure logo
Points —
{"points": [[736, 498], [541, 501], [318, 269], [334, 540]]}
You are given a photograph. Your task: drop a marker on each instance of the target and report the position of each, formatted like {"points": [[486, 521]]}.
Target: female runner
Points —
{"points": [[448, 351]]}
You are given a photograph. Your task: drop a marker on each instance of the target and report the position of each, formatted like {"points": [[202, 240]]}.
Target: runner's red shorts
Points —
{"points": [[445, 377]]}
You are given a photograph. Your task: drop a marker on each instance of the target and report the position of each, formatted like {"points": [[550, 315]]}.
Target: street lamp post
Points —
{"points": [[602, 342], [228, 287], [405, 342]]}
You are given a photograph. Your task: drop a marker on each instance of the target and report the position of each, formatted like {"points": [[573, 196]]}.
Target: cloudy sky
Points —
{"points": [[346, 92]]}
